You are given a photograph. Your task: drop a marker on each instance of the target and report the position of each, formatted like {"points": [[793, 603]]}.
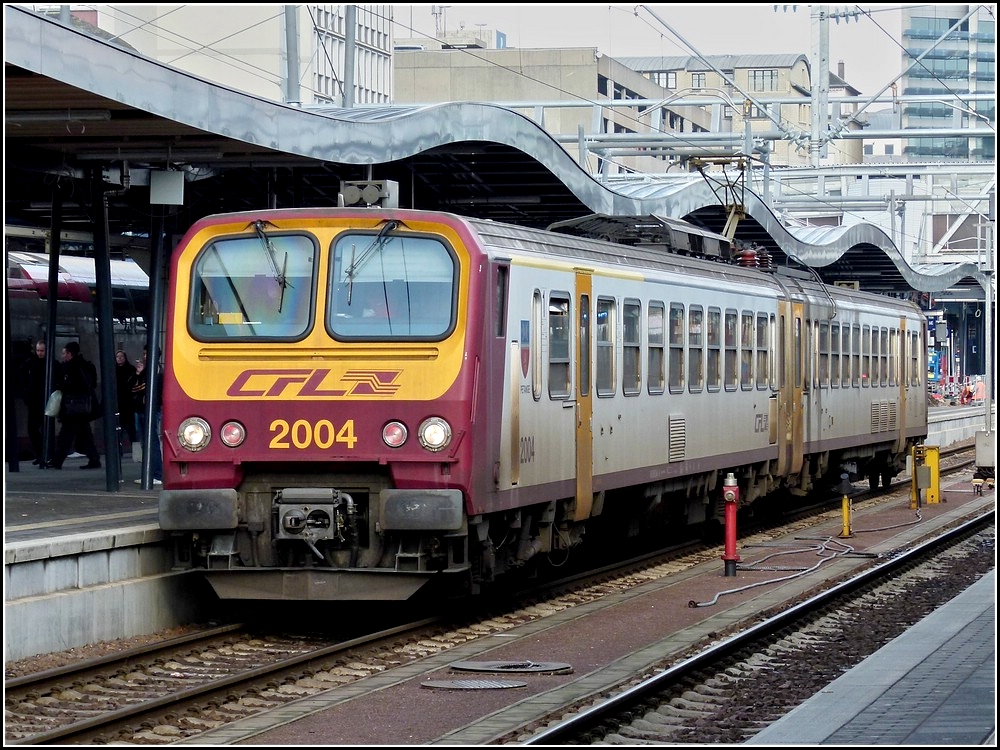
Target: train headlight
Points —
{"points": [[232, 434], [394, 434], [435, 434], [194, 434]]}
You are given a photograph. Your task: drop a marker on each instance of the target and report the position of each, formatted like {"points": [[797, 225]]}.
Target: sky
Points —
{"points": [[867, 44]]}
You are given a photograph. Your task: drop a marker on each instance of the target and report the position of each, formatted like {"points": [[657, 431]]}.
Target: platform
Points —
{"points": [[933, 685]]}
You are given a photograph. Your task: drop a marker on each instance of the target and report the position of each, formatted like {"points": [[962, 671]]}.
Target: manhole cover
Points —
{"points": [[473, 684], [512, 666]]}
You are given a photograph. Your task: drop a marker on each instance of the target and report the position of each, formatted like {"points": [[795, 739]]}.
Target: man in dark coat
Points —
{"points": [[125, 375], [34, 398], [78, 380]]}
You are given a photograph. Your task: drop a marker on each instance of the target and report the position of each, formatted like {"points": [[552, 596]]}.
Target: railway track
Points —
{"points": [[733, 690], [80, 702], [197, 688]]}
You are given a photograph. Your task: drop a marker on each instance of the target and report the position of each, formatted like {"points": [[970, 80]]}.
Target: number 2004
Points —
{"points": [[303, 434]]}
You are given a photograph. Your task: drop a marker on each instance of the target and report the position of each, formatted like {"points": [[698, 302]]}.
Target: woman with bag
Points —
{"points": [[77, 382]]}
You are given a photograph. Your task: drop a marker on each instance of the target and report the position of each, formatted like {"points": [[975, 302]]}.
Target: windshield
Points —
{"points": [[258, 286], [388, 285]]}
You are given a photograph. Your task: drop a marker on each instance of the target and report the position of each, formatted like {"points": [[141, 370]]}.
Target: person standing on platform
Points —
{"points": [[34, 398], [124, 377], [77, 380], [139, 393]]}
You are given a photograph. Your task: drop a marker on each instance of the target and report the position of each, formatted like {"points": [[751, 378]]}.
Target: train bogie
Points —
{"points": [[518, 395]]}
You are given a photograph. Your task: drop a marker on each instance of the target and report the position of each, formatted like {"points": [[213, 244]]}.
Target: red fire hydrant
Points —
{"points": [[731, 494]]}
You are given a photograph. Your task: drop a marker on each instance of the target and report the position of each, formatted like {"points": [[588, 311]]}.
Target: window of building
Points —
{"points": [[869, 149], [698, 80], [763, 80]]}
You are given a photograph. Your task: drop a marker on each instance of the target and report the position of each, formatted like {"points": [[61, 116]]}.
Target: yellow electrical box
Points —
{"points": [[926, 462]]}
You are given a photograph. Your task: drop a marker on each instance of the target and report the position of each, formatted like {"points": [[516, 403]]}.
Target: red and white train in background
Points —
{"points": [[364, 404]]}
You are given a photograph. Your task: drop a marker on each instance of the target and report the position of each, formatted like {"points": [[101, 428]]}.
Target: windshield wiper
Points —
{"points": [[279, 276], [377, 244]]}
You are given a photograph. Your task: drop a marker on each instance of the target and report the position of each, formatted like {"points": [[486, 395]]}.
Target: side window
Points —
{"points": [[696, 351], [676, 352], [713, 376], [746, 351], [559, 340], [894, 357], [763, 349], [732, 354], [584, 345], [856, 356], [654, 333], [824, 354], [535, 343], [914, 359], [846, 354], [883, 356], [835, 355], [631, 342], [605, 346], [503, 275], [866, 356], [797, 346]]}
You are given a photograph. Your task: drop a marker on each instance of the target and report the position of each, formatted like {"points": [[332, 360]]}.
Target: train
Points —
{"points": [[28, 317], [379, 404]]}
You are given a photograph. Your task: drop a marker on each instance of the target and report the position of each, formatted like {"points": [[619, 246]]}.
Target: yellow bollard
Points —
{"points": [[845, 507]]}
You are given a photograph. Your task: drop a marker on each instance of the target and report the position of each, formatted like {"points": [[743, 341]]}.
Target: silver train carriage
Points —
{"points": [[366, 404]]}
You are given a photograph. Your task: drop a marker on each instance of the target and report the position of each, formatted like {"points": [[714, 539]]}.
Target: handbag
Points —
{"points": [[54, 404], [78, 406]]}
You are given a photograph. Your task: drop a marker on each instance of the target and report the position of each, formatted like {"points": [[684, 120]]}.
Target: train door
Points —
{"points": [[584, 400], [791, 354]]}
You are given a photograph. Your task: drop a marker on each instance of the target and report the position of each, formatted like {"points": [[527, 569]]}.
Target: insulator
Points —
{"points": [[748, 258]]}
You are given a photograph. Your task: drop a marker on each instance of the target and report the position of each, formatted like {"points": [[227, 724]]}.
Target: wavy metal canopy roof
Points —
{"points": [[77, 105]]}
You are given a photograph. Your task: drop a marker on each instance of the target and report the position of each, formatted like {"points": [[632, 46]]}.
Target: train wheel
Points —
{"points": [[886, 480]]}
